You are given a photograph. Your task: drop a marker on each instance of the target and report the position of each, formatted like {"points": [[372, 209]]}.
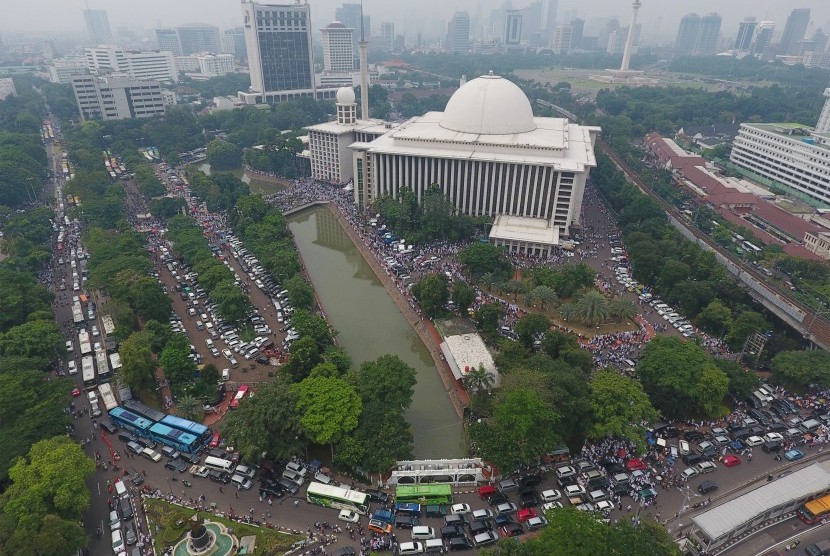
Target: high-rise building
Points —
{"points": [[349, 14], [816, 43], [98, 26], [746, 32], [197, 37], [562, 37], [698, 36], [577, 31], [458, 33], [551, 7], [823, 125], [387, 35], [280, 57], [794, 31], [117, 98], [532, 24], [233, 42], [338, 56], [512, 28], [213, 65], [63, 70], [144, 65], [168, 39], [762, 44]]}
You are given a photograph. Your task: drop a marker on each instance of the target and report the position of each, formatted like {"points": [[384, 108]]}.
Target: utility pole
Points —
{"points": [[686, 491]]}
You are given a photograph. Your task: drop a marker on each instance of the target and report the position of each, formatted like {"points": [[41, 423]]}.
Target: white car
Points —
{"points": [[551, 495], [73, 368], [460, 509], [481, 515], [604, 506], [95, 330], [574, 490], [689, 472], [773, 437], [69, 346], [565, 471], [348, 516], [754, 441], [551, 506]]}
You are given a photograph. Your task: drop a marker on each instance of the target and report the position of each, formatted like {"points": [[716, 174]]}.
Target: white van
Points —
{"points": [[422, 533], [117, 542], [120, 488], [226, 375], [406, 548], [434, 546], [684, 447]]}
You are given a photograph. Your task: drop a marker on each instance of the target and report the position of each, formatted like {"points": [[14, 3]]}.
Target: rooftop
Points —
{"points": [[519, 228], [465, 352]]}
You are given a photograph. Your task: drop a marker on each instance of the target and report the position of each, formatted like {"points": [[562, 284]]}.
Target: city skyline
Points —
{"points": [[68, 18]]}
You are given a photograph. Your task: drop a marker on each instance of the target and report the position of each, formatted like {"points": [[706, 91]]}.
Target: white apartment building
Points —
{"points": [[186, 64], [213, 65], [117, 98], [338, 54], [63, 70], [147, 64], [790, 154]]}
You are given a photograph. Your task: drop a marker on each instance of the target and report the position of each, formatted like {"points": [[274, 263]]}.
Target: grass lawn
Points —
{"points": [[169, 522]]}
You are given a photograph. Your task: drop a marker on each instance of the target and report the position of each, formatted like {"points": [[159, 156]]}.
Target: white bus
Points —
{"points": [[103, 365], [88, 371], [107, 396], [115, 361], [83, 340], [331, 496], [219, 464]]}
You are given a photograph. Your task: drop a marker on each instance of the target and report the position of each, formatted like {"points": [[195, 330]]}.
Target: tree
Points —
{"points": [[314, 327], [681, 379], [432, 293], [481, 258], [715, 318], [544, 295], [622, 309], [743, 326], [463, 296], [802, 368], [479, 379], [190, 408], [176, 362], [487, 317], [568, 312], [267, 423], [233, 303], [46, 500], [592, 308], [742, 382], [300, 292], [40, 339], [387, 380], [531, 327], [137, 363], [621, 408], [305, 355], [222, 155], [329, 407]]}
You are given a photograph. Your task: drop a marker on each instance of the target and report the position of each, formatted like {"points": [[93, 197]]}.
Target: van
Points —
{"points": [[292, 476], [406, 548], [117, 542], [434, 546], [684, 447], [135, 447], [809, 426], [226, 375], [200, 325], [422, 533], [598, 496], [459, 543], [126, 508], [120, 488], [405, 522]]}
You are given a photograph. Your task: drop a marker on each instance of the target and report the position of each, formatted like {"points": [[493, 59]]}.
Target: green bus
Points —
{"points": [[331, 496], [424, 494]]}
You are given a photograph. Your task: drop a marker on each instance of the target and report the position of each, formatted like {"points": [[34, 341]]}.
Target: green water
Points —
{"points": [[369, 324], [263, 187]]}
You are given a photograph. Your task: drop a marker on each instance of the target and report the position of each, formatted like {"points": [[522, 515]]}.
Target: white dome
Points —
{"points": [[489, 105], [345, 95]]}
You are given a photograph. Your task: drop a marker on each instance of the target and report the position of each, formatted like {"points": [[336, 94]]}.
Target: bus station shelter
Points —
{"points": [[743, 515]]}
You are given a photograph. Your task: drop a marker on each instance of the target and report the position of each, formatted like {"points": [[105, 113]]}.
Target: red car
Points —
{"points": [[214, 442], [731, 461], [635, 464], [76, 392], [525, 514]]}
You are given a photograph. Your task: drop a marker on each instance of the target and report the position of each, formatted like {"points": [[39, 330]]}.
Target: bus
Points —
{"points": [[107, 396], [815, 511], [78, 314], [751, 247], [219, 464], [179, 440], [115, 361], [331, 496], [139, 408], [424, 494], [240, 394], [88, 371], [83, 340], [103, 366], [130, 421], [198, 430]]}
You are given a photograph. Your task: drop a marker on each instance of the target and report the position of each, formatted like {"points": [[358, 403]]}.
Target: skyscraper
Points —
{"points": [[233, 42], [551, 7], [794, 32], [562, 38], [746, 31], [280, 58], [458, 33], [761, 45], [387, 35], [577, 31], [98, 26], [513, 28], [168, 40], [338, 56], [350, 16], [197, 37], [698, 36]]}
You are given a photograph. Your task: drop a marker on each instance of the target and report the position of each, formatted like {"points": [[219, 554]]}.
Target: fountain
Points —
{"points": [[205, 539]]}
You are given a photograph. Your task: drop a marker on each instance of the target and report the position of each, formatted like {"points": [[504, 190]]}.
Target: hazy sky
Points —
{"points": [[407, 15]]}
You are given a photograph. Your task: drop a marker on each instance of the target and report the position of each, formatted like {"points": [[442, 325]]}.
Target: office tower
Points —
{"points": [[233, 42], [168, 40], [387, 35], [746, 32], [823, 125], [513, 28], [762, 44], [562, 37], [196, 37], [794, 32], [458, 33], [532, 23], [280, 58], [338, 55], [152, 65], [98, 25], [577, 31], [698, 36], [609, 26], [363, 47], [117, 98], [63, 70], [551, 7], [351, 15]]}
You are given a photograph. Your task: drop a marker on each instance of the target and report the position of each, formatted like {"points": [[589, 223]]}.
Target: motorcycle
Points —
{"points": [[187, 483]]}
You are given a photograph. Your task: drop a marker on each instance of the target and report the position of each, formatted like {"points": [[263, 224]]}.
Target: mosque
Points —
{"points": [[486, 151]]}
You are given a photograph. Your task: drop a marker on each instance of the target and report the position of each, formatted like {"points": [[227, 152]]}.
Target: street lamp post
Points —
{"points": [[683, 505]]}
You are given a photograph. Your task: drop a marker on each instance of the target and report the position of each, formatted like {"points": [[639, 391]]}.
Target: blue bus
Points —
{"points": [[180, 440], [140, 409], [198, 430], [130, 421]]}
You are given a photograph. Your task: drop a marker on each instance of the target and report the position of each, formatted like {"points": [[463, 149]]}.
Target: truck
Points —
{"points": [[103, 366], [88, 371], [107, 396], [77, 314], [83, 340]]}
